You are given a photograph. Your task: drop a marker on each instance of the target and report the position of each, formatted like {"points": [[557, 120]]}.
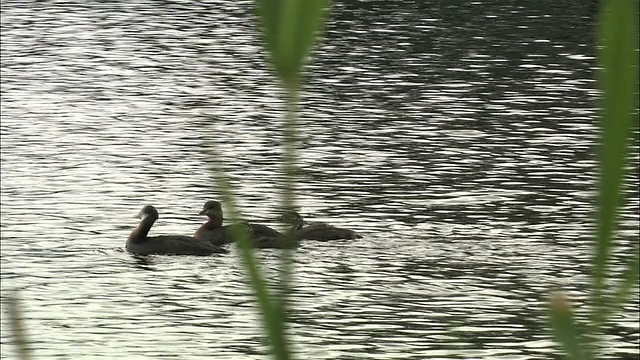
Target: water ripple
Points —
{"points": [[460, 141]]}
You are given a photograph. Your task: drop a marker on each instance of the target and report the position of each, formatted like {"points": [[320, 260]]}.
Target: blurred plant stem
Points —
{"points": [[288, 198], [618, 60], [289, 29], [272, 311], [16, 324]]}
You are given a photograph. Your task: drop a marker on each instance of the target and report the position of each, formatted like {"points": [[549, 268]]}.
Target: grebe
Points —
{"points": [[315, 231], [214, 232], [141, 244]]}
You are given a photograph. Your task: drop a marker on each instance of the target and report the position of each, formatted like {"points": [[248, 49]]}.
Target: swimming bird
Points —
{"points": [[281, 241], [315, 231], [141, 244], [214, 232]]}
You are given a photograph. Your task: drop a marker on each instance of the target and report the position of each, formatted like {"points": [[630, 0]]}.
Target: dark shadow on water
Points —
{"points": [[144, 262]]}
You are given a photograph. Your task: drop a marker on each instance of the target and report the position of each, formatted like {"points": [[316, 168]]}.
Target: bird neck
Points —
{"points": [[139, 234], [213, 222]]}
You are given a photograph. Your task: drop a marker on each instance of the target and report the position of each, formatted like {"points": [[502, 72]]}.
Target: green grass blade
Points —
{"points": [[269, 14], [619, 84], [288, 196], [565, 329], [17, 326], [630, 280], [272, 312], [290, 28]]}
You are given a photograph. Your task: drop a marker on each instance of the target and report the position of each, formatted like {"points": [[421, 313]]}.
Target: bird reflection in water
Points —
{"points": [[144, 262]]}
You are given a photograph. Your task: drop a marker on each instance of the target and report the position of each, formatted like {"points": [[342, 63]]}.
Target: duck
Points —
{"points": [[139, 243], [281, 241], [214, 232], [318, 231]]}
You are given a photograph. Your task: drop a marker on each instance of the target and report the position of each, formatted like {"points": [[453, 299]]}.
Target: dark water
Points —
{"points": [[458, 137]]}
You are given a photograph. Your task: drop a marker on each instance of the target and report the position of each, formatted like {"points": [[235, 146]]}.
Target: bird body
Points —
{"points": [[214, 232], [317, 231], [140, 243]]}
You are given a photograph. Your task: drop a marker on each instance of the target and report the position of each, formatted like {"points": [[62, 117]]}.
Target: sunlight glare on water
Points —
{"points": [[458, 140]]}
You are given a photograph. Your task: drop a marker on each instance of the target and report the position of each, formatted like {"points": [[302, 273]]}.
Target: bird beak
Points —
{"points": [[203, 212]]}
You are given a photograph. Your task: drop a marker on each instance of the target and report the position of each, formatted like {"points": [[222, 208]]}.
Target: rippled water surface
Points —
{"points": [[460, 140]]}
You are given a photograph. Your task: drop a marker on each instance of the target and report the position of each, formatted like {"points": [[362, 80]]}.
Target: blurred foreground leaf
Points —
{"points": [[290, 28], [17, 326], [618, 59], [271, 310], [565, 329]]}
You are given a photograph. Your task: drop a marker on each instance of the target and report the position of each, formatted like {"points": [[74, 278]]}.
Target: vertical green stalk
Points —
{"points": [[565, 328], [290, 143], [272, 311], [290, 154], [619, 83], [618, 60], [17, 326], [289, 29]]}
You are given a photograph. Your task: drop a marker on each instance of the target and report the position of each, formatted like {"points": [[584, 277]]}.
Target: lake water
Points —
{"points": [[458, 138]]}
